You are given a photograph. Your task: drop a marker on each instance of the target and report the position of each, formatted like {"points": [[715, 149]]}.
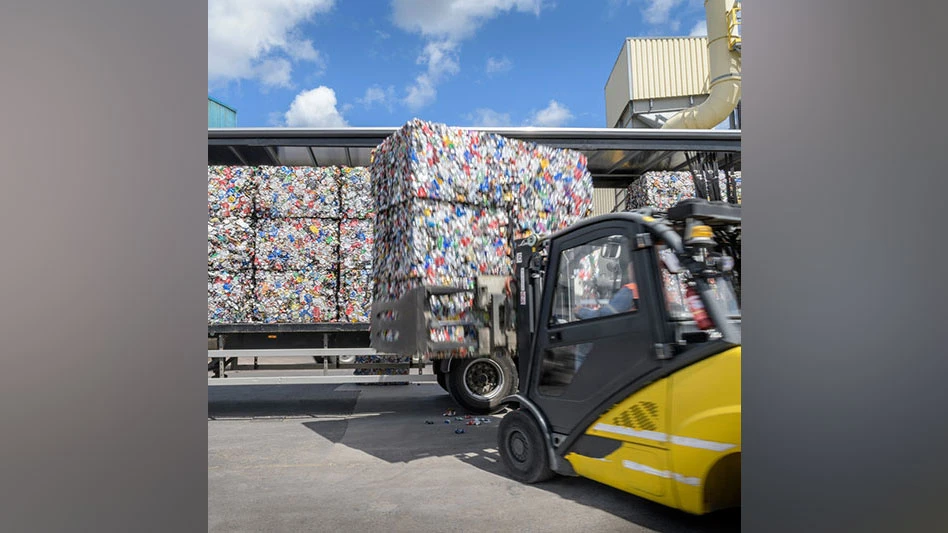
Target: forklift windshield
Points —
{"points": [[595, 280]]}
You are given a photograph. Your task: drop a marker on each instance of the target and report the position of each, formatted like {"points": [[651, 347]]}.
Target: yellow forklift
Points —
{"points": [[629, 357], [616, 344]]}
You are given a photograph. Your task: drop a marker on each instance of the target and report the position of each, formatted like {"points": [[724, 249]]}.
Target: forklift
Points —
{"points": [[641, 391], [615, 344]]}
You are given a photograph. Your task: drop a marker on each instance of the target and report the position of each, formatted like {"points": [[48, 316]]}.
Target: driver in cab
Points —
{"points": [[624, 300]]}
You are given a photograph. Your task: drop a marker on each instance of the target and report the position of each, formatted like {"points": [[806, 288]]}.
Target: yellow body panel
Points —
{"points": [[679, 435]]}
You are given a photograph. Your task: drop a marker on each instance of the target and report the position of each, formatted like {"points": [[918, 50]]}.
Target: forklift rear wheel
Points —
{"points": [[522, 448], [479, 384]]}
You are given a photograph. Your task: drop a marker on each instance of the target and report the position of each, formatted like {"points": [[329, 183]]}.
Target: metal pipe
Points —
{"points": [[724, 78]]}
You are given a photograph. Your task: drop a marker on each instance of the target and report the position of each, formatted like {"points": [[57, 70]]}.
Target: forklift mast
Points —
{"points": [[529, 273]]}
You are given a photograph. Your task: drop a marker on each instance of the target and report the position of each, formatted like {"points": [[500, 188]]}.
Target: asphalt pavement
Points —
{"points": [[362, 458]]}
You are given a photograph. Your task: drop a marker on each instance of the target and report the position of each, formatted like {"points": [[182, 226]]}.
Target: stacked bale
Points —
{"points": [[230, 243], [451, 203], [662, 190], [356, 242], [297, 244]]}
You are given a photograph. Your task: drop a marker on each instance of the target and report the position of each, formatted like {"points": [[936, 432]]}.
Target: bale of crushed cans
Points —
{"points": [[355, 294], [355, 191], [543, 189], [552, 188], [231, 191], [297, 243], [356, 242], [230, 243], [451, 202], [380, 359], [229, 297], [441, 243], [307, 295], [304, 192], [662, 190]]}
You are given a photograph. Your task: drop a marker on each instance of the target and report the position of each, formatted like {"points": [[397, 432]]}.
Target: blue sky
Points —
{"points": [[332, 63]]}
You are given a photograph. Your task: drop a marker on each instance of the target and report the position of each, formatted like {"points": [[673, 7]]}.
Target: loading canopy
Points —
{"points": [[616, 156]]}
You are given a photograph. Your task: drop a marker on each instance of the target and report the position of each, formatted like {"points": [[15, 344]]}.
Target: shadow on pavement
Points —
{"points": [[477, 447], [268, 401], [394, 429]]}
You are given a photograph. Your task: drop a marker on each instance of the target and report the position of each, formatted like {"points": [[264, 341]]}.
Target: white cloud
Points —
{"points": [[441, 58], [445, 24], [421, 93], [659, 11], [489, 118], [315, 108], [274, 72], [304, 51], [376, 95], [242, 35], [700, 29], [495, 65], [552, 116], [373, 95], [454, 19]]}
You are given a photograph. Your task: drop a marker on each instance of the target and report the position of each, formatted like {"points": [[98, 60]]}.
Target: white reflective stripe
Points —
{"points": [[645, 469], [663, 437], [704, 444], [629, 432]]}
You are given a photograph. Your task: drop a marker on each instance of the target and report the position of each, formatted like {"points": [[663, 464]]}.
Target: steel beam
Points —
{"points": [[320, 380]]}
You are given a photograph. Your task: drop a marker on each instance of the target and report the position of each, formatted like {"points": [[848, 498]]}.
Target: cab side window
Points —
{"points": [[595, 280]]}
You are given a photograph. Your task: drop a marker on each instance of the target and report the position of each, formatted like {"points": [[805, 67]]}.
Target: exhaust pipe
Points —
{"points": [[725, 75]]}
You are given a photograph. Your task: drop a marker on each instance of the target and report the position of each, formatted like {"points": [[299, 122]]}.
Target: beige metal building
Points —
{"points": [[655, 77]]}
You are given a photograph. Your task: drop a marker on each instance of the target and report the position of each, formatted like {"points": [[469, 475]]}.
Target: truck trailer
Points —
{"points": [[480, 381]]}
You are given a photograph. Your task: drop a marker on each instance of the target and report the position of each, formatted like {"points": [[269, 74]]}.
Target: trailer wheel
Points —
{"points": [[522, 448], [442, 380], [478, 384]]}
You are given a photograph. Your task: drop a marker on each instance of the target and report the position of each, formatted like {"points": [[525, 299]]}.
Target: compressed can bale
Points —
{"points": [[231, 191], [229, 297], [356, 242], [304, 192], [437, 162], [355, 189], [230, 244], [299, 296], [296, 243], [663, 190], [440, 243], [434, 161], [355, 295], [553, 189], [660, 190], [381, 359], [451, 201]]}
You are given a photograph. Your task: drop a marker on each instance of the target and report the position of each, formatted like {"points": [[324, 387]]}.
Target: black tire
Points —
{"points": [[478, 384], [442, 380], [522, 448]]}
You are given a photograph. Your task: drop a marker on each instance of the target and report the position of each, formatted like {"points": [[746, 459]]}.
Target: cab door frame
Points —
{"points": [[618, 340]]}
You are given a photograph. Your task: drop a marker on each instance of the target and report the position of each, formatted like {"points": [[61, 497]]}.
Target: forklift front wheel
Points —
{"points": [[522, 448], [479, 384]]}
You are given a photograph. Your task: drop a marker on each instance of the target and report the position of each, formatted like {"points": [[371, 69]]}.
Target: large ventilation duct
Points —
{"points": [[724, 74]]}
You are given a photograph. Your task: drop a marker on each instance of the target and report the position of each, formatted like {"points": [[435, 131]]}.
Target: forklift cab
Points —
{"points": [[606, 357]]}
